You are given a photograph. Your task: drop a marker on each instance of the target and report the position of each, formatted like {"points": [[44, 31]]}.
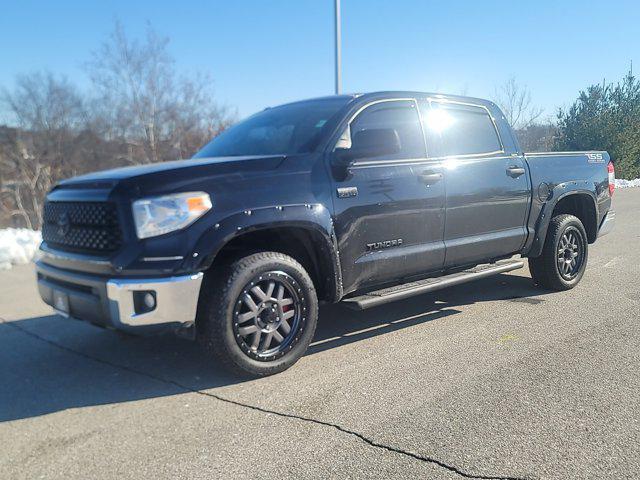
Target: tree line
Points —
{"points": [[603, 117], [138, 110]]}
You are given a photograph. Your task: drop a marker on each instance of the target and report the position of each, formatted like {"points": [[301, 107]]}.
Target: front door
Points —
{"points": [[488, 191], [389, 208]]}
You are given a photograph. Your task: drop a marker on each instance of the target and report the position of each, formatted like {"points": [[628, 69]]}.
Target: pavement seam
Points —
{"points": [[335, 426]]}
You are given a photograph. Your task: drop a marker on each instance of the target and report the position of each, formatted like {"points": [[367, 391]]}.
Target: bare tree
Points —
{"points": [[144, 102], [539, 137], [28, 180], [141, 112], [49, 112], [515, 102]]}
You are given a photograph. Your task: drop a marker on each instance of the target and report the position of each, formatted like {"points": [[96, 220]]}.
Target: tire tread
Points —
{"points": [[212, 312], [543, 268]]}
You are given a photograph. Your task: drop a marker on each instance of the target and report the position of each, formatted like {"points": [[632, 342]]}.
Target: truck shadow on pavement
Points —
{"points": [[49, 364]]}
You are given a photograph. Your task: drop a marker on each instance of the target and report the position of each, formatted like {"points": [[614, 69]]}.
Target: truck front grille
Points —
{"points": [[84, 227]]}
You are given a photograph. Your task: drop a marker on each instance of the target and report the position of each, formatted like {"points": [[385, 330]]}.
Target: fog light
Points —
{"points": [[144, 301], [149, 301]]}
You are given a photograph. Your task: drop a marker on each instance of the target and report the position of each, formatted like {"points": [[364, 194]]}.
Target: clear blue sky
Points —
{"points": [[267, 52]]}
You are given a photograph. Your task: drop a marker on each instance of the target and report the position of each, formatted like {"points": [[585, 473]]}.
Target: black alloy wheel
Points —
{"points": [[268, 315], [570, 253]]}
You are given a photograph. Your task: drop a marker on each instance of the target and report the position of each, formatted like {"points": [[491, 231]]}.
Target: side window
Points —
{"points": [[398, 119], [460, 129]]}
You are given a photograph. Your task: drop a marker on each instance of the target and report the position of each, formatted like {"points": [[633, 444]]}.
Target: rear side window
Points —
{"points": [[400, 115], [460, 129]]}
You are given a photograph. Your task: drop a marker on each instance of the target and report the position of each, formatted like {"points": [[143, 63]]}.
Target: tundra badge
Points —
{"points": [[386, 244]]}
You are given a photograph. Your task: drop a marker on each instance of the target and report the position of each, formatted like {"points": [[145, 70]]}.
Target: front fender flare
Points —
{"points": [[312, 217]]}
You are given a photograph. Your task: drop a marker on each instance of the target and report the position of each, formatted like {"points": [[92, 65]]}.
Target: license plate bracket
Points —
{"points": [[61, 302]]}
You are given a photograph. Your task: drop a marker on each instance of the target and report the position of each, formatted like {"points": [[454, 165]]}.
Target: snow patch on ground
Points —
{"points": [[620, 183], [18, 246]]}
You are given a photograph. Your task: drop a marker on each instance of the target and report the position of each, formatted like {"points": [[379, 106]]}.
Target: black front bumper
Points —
{"points": [[86, 294]]}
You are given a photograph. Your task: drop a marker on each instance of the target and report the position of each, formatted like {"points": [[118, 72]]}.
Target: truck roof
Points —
{"points": [[409, 93], [398, 94]]}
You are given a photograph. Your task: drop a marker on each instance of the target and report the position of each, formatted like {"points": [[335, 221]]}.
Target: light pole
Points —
{"points": [[338, 52]]}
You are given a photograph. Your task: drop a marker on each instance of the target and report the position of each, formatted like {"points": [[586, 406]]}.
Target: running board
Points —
{"points": [[406, 290]]}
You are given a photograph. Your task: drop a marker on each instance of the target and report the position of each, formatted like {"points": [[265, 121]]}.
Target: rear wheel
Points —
{"points": [[564, 255], [258, 315]]}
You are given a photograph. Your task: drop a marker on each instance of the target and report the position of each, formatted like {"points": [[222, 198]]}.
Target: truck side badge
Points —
{"points": [[346, 192], [397, 242]]}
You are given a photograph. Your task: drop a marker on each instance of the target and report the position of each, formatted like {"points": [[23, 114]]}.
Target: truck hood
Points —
{"points": [[209, 166]]}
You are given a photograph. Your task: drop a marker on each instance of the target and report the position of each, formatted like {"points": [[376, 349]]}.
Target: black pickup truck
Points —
{"points": [[364, 199]]}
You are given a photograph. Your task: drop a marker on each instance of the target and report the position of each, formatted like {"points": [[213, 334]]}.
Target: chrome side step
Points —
{"points": [[406, 290]]}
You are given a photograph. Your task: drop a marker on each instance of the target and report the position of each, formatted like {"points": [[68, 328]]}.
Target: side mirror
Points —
{"points": [[373, 142]]}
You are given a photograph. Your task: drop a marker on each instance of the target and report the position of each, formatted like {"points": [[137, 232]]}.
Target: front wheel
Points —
{"points": [[258, 315], [564, 255]]}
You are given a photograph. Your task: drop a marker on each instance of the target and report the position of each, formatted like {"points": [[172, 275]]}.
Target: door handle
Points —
{"points": [[430, 178], [515, 171]]}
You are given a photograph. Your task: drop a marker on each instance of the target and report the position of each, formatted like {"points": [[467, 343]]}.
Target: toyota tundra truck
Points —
{"points": [[361, 199]]}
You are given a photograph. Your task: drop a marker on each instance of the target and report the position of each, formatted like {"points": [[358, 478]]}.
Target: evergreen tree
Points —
{"points": [[605, 117]]}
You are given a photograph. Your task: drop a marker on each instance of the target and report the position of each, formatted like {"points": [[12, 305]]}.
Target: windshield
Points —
{"points": [[284, 130]]}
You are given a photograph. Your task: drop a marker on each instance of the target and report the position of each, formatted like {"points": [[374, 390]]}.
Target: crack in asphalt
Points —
{"points": [[185, 388]]}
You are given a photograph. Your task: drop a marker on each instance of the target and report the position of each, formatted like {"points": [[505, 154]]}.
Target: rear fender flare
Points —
{"points": [[558, 193]]}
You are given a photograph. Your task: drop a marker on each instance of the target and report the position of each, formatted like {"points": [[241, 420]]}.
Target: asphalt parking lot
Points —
{"points": [[495, 379]]}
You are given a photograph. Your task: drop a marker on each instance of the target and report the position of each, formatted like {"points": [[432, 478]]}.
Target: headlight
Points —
{"points": [[159, 215]]}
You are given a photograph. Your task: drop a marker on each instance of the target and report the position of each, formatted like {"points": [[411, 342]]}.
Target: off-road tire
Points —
{"points": [[545, 269], [222, 291]]}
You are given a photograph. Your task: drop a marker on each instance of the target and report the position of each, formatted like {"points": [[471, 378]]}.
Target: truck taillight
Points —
{"points": [[612, 178]]}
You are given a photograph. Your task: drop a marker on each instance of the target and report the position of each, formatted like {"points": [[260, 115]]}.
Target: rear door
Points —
{"points": [[488, 190], [389, 209]]}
